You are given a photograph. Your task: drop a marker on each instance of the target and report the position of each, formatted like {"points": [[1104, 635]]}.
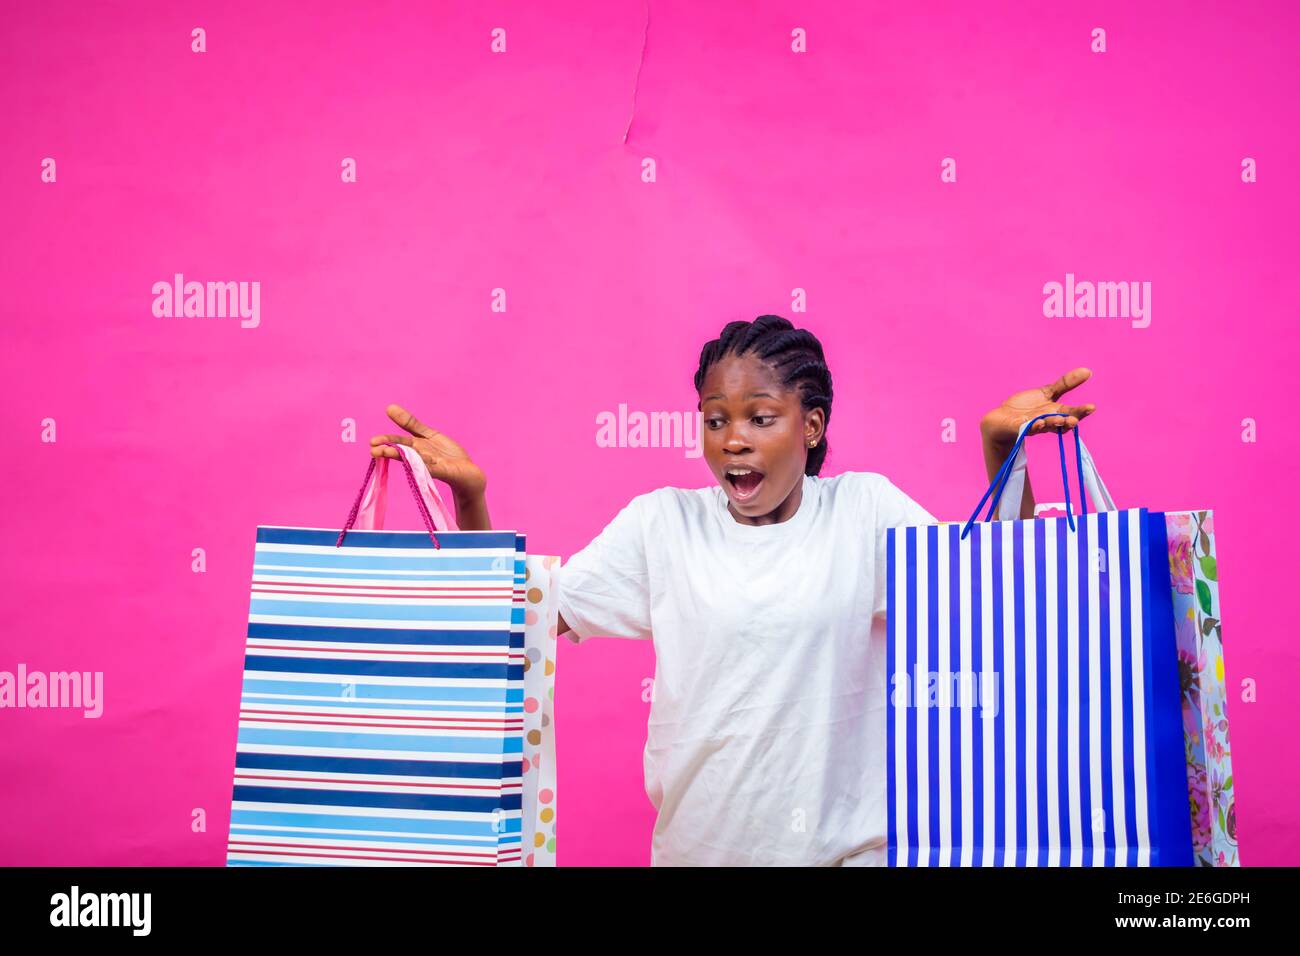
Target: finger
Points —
{"points": [[383, 451], [1073, 415], [395, 439], [408, 421], [1058, 422], [1071, 379], [1047, 424]]}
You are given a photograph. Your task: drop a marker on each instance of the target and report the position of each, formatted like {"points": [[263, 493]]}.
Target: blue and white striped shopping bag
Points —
{"points": [[1034, 717], [381, 717]]}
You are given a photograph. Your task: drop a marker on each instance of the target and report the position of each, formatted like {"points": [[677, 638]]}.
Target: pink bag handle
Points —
{"points": [[372, 500]]}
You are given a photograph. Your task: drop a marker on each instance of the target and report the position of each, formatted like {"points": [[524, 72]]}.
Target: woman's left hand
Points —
{"points": [[1001, 426]]}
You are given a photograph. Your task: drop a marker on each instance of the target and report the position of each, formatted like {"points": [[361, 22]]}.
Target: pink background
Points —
{"points": [[776, 171]]}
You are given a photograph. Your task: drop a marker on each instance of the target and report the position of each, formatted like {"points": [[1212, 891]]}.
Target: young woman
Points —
{"points": [[764, 595]]}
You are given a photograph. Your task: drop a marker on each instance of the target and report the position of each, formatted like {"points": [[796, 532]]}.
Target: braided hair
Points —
{"points": [[794, 355]]}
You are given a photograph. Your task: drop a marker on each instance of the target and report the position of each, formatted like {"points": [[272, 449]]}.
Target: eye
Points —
{"points": [[713, 423], [763, 420]]}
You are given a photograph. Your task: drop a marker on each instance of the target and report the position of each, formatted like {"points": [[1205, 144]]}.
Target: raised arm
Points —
{"points": [[1000, 426], [447, 461]]}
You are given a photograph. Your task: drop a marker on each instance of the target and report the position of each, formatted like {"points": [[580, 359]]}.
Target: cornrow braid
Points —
{"points": [[794, 354]]}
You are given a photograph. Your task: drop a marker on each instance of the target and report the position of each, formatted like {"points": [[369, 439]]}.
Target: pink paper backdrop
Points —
{"points": [[476, 171]]}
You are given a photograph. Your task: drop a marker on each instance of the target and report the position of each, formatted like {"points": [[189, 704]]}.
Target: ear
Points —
{"points": [[814, 426]]}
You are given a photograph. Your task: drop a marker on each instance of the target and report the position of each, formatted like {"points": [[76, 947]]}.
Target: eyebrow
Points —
{"points": [[709, 398]]}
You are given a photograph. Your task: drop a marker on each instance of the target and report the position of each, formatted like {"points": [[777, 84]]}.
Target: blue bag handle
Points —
{"points": [[1000, 479]]}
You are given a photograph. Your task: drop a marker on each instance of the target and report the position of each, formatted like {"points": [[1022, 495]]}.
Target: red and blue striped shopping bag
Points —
{"points": [[381, 717], [1035, 709]]}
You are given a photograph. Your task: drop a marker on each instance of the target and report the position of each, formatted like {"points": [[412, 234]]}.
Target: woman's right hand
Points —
{"points": [[445, 459]]}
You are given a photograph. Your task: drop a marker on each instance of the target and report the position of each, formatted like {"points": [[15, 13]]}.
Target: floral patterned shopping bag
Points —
{"points": [[1194, 578]]}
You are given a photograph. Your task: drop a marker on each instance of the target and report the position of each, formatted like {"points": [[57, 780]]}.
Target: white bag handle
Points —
{"points": [[1097, 490], [1014, 491], [1008, 485]]}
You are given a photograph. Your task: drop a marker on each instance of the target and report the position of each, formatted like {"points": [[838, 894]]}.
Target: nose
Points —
{"points": [[737, 441]]}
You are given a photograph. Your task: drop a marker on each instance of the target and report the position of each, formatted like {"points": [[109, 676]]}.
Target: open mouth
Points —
{"points": [[744, 481]]}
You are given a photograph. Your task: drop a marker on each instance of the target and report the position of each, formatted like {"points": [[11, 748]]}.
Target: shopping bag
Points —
{"points": [[380, 720], [1198, 629], [1035, 715], [539, 790]]}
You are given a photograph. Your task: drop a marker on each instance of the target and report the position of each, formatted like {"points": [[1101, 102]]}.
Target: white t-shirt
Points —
{"points": [[766, 737]]}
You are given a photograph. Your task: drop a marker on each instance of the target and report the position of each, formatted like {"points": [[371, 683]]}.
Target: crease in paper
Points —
{"points": [[636, 85]]}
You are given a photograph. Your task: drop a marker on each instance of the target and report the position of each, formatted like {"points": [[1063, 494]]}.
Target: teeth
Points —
{"points": [[739, 471]]}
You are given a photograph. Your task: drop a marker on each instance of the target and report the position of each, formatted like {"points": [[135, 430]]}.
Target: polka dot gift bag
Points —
{"points": [[541, 616]]}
